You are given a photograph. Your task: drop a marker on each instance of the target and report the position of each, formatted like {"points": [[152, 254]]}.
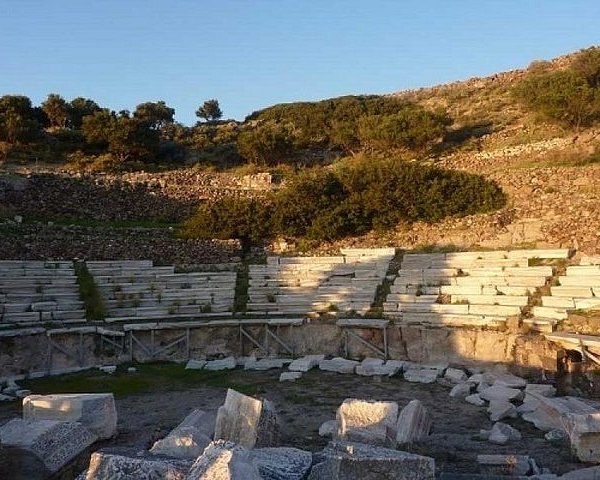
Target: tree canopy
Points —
{"points": [[210, 111]]}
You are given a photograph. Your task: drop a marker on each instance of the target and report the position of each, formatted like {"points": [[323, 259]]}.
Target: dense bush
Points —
{"points": [[412, 127], [355, 198], [570, 97], [242, 218], [346, 124]]}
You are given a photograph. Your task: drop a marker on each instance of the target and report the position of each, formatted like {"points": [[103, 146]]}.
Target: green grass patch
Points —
{"points": [[88, 290], [150, 377]]}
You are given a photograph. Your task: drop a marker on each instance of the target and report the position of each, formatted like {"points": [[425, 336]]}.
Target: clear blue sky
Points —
{"points": [[254, 53]]}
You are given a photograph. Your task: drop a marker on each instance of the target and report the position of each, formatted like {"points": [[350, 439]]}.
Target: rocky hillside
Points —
{"points": [[550, 173]]}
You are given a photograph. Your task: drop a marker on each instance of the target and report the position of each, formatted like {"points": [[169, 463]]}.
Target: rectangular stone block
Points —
{"points": [[368, 422], [510, 300], [495, 310], [580, 281], [37, 449], [246, 421], [96, 411], [558, 302], [580, 292], [356, 461], [550, 312]]}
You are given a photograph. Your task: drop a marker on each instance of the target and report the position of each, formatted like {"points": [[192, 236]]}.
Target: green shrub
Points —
{"points": [[412, 127], [242, 218], [569, 97], [359, 196]]}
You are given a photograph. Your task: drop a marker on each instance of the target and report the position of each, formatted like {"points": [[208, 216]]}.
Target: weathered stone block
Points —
{"points": [[462, 390], [36, 449], [338, 365], [414, 423], [475, 399], [368, 422], [222, 364], [421, 375], [96, 411], [224, 461], [282, 463], [189, 438], [455, 375], [584, 433], [115, 466], [499, 409], [306, 363], [264, 364], [195, 364], [290, 376], [501, 393], [355, 461], [502, 433], [246, 421]]}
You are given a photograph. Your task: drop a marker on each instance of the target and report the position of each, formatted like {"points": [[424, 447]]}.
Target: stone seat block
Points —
{"points": [[580, 281], [507, 290], [44, 306], [60, 315], [587, 303], [21, 317], [562, 291], [555, 253], [262, 307], [495, 310], [461, 289], [550, 312], [508, 300], [508, 281], [15, 307], [451, 320], [583, 270], [574, 339], [406, 298], [558, 302], [543, 325], [434, 307]]}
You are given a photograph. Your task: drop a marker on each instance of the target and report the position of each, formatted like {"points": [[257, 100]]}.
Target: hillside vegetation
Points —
{"points": [[502, 160]]}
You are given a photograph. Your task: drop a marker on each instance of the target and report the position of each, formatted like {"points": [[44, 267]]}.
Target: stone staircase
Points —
{"points": [[482, 289]]}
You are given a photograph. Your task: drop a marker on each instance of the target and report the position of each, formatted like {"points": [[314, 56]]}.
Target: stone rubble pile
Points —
{"points": [[241, 441]]}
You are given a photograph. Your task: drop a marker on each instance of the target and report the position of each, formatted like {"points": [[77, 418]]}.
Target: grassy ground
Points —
{"points": [[150, 377]]}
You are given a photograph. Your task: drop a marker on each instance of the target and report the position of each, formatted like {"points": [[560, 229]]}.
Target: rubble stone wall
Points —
{"points": [[26, 354]]}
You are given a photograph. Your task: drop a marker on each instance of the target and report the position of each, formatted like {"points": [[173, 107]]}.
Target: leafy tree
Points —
{"points": [[210, 110], [97, 127], [56, 109], [79, 108], [267, 144], [132, 139], [125, 137], [587, 64], [156, 114], [18, 120]]}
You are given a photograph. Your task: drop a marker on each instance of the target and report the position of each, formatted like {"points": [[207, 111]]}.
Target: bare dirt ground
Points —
{"points": [[304, 405]]}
